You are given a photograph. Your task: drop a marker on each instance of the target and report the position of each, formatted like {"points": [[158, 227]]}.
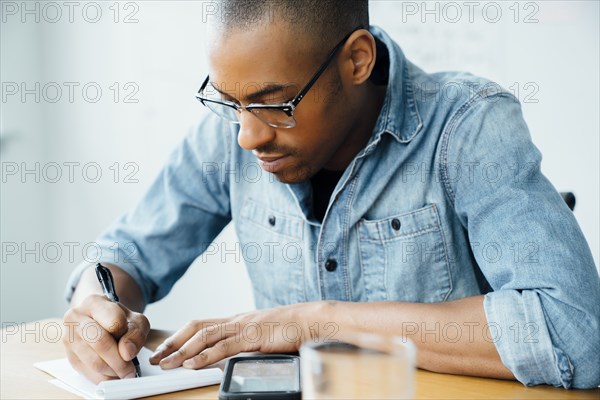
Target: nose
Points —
{"points": [[253, 133]]}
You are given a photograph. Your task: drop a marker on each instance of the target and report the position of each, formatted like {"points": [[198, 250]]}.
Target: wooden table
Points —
{"points": [[23, 345]]}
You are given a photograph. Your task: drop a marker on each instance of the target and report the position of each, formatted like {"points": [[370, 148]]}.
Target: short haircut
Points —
{"points": [[324, 22]]}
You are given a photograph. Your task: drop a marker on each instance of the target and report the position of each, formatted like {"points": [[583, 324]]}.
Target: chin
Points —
{"points": [[295, 174]]}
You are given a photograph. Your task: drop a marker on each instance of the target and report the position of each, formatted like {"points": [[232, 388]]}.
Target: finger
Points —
{"points": [[88, 331], [96, 348], [175, 341], [111, 317], [83, 369], [209, 334], [92, 361], [81, 355], [196, 344], [105, 345], [131, 342], [225, 348]]}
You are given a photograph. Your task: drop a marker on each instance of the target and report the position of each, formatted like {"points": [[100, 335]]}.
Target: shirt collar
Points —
{"points": [[399, 115]]}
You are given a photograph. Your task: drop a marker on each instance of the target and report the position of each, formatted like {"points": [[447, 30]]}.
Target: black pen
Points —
{"points": [[108, 286]]}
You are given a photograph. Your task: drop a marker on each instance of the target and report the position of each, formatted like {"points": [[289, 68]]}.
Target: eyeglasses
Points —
{"points": [[275, 115]]}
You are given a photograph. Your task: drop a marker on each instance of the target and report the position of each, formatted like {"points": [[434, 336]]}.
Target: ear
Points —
{"points": [[361, 54]]}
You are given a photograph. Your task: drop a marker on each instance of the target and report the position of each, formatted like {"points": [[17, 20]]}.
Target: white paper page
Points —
{"points": [[64, 386], [154, 380]]}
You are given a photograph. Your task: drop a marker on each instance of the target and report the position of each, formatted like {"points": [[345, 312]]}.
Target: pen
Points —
{"points": [[108, 286]]}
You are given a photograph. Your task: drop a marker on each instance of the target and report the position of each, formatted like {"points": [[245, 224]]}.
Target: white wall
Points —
{"points": [[162, 55]]}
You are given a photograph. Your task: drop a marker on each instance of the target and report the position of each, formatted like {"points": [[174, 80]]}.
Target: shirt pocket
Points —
{"points": [[403, 257], [271, 245]]}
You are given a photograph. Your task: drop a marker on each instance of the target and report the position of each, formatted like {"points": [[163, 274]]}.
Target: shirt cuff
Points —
{"points": [[518, 329]]}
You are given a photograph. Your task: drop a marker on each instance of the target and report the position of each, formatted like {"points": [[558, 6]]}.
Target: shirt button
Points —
{"points": [[330, 265], [272, 220], [396, 224]]}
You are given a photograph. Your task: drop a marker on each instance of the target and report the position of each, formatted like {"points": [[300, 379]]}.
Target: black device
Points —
{"points": [[261, 377]]}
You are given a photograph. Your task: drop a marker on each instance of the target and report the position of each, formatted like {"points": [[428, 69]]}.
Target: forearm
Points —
{"points": [[451, 337], [130, 294]]}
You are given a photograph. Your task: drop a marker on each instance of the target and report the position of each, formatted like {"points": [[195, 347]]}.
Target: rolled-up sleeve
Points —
{"points": [[184, 209], [543, 313]]}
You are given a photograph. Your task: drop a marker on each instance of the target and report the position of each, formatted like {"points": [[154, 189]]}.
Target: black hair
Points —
{"points": [[324, 22]]}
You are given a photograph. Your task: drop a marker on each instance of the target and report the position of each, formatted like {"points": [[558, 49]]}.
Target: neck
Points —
{"points": [[361, 128]]}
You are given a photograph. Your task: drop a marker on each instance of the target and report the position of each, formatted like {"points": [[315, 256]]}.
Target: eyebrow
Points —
{"points": [[268, 89]]}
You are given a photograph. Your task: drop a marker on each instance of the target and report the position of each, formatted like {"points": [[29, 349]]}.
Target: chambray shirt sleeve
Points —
{"points": [[182, 212], [544, 310]]}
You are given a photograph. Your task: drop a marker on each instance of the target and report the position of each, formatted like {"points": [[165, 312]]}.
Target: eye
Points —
{"points": [[280, 96], [228, 99], [212, 93]]}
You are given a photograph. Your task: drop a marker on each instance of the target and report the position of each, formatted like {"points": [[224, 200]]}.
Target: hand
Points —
{"points": [[102, 338], [203, 342]]}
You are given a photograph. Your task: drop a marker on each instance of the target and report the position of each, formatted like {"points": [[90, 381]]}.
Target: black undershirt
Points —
{"points": [[323, 182]]}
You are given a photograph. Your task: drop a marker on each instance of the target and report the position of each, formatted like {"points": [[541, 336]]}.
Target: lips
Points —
{"points": [[269, 159], [272, 163]]}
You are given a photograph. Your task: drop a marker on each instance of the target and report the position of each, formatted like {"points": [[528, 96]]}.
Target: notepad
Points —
{"points": [[154, 380]]}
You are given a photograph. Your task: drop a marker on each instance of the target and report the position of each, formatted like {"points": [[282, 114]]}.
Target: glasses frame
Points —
{"points": [[289, 107]]}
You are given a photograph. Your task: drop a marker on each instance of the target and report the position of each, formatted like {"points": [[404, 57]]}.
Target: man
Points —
{"points": [[385, 204]]}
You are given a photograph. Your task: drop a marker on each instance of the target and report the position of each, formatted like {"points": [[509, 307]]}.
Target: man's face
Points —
{"points": [[242, 63]]}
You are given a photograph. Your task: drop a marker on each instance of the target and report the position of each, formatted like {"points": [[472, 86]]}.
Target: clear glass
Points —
{"points": [[369, 366], [223, 111], [274, 117], [271, 114]]}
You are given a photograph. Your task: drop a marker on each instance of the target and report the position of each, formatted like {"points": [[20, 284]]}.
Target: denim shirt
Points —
{"points": [[446, 201]]}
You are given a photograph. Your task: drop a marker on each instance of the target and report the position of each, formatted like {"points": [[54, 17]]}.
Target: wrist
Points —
{"points": [[87, 285], [325, 320]]}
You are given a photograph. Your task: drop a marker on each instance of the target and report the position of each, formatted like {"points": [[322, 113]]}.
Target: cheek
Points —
{"points": [[312, 135], [316, 120], [319, 125], [324, 124]]}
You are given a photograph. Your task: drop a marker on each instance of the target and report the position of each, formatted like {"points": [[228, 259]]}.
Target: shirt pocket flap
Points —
{"points": [[407, 224], [273, 221]]}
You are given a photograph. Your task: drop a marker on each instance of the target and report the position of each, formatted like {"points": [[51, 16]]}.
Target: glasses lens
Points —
{"points": [[213, 99], [223, 111], [274, 117]]}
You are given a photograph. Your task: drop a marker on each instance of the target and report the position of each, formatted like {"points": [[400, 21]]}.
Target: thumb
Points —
{"points": [[134, 339]]}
